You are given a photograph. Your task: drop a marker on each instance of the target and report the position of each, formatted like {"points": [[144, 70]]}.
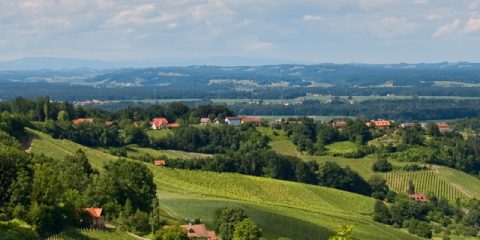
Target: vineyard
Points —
{"points": [[425, 181], [281, 208]]}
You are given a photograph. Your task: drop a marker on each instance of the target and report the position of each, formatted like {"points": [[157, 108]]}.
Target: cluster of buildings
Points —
{"points": [[194, 231], [443, 127], [233, 121], [162, 123]]}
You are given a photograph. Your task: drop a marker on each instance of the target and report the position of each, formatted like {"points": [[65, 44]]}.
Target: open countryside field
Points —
{"points": [[312, 209], [444, 181], [93, 234]]}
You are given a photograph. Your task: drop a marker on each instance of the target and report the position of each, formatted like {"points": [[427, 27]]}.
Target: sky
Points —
{"points": [[315, 31]]}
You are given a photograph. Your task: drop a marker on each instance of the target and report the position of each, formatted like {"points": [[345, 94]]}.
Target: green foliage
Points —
{"points": [[344, 234], [226, 220], [382, 165], [420, 228], [381, 213], [332, 175], [124, 180], [12, 161], [379, 187], [404, 209], [16, 229], [171, 233], [247, 230]]}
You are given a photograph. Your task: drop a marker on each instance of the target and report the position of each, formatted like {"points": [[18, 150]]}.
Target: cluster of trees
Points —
{"points": [[437, 215], [311, 137], [50, 194], [214, 139]]}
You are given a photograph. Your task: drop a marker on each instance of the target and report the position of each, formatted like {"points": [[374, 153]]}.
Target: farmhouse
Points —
{"points": [[418, 197], [382, 123], [199, 231], [96, 217], [443, 127], [159, 123], [159, 163], [79, 121], [254, 120], [338, 124], [234, 121], [205, 121]]}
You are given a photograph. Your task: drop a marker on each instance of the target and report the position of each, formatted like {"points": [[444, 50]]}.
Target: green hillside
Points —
{"points": [[93, 234], [281, 208], [443, 181]]}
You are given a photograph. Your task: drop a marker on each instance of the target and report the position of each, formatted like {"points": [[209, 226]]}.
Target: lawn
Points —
{"points": [[341, 147]]}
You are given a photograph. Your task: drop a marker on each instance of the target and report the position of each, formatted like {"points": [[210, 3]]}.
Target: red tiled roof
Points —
{"points": [[205, 120], [419, 197], [94, 212], [158, 122], [251, 120], [199, 231], [159, 162], [79, 121], [339, 123], [382, 123], [173, 125], [442, 125]]}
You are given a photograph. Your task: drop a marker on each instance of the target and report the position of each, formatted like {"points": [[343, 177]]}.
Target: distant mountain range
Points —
{"points": [[39, 63]]}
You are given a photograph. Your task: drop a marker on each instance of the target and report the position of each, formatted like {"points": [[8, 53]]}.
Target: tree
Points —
{"points": [[172, 233], [330, 174], [381, 213], [382, 165], [46, 108], [379, 187], [247, 230], [420, 228], [225, 220], [12, 160], [410, 187], [344, 234], [62, 116]]}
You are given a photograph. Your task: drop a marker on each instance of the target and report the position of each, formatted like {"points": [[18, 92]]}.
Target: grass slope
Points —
{"points": [[93, 234], [443, 181], [281, 208]]}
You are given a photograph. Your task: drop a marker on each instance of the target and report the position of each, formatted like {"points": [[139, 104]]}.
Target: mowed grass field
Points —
{"points": [[443, 181], [281, 208]]}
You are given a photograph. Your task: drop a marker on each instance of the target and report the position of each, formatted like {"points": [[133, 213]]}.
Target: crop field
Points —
{"points": [[424, 181]]}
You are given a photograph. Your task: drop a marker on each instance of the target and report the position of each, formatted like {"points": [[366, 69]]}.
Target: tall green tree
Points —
{"points": [[247, 230], [225, 220]]}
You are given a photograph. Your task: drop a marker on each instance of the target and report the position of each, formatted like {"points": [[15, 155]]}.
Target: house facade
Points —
{"points": [[199, 231], [234, 121], [96, 215], [159, 123]]}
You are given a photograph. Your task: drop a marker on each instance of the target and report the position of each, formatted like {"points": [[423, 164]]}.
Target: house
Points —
{"points": [[96, 217], [382, 123], [338, 124], [407, 125], [205, 121], [234, 121], [159, 163], [159, 123], [254, 120], [443, 127], [79, 121], [418, 197], [199, 231]]}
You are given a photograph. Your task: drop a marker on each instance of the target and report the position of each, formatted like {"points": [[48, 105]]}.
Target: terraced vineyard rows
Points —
{"points": [[264, 190], [425, 181]]}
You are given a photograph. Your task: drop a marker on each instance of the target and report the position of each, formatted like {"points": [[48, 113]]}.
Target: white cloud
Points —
{"points": [[139, 15], [172, 25], [259, 45], [420, 1], [390, 27], [212, 11], [432, 17], [312, 18], [474, 5], [447, 29], [472, 25]]}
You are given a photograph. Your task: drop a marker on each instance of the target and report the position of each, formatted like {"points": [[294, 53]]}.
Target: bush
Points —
{"points": [[382, 165], [419, 228]]}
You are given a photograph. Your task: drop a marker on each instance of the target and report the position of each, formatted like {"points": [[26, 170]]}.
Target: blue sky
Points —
{"points": [[340, 31]]}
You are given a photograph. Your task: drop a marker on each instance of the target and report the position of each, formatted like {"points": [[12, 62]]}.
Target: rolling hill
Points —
{"points": [[281, 208]]}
